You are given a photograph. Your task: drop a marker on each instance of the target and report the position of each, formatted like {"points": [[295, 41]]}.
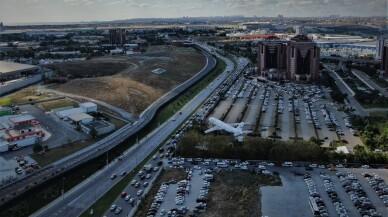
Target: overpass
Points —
{"points": [[15, 189]]}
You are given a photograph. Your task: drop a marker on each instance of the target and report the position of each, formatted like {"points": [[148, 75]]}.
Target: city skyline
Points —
{"points": [[33, 11]]}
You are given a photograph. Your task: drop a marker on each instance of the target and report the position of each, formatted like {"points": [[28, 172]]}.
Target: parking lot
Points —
{"points": [[60, 133], [280, 106], [323, 184]]}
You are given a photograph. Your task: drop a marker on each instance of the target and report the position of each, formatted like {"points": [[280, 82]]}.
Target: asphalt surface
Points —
{"points": [[83, 195], [353, 102], [67, 163], [60, 133], [367, 79]]}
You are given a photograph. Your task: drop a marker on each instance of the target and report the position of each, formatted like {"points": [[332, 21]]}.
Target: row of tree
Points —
{"points": [[193, 144]]}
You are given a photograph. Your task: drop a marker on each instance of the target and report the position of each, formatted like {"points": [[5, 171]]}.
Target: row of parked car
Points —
{"points": [[357, 194], [329, 188], [378, 184], [319, 207]]}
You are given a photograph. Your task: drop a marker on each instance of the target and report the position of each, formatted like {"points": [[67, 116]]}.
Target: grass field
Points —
{"points": [[230, 196], [57, 104], [136, 88], [57, 153], [22, 96], [101, 66]]}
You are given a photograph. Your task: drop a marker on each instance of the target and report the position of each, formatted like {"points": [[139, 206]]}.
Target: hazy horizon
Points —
{"points": [[76, 11]]}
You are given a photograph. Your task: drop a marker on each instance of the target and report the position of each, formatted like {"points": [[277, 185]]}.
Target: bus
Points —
{"points": [[314, 206]]}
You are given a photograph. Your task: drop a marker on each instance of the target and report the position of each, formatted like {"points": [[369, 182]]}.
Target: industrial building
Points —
{"points": [[101, 127], [117, 36], [11, 71], [19, 131], [65, 113], [296, 59], [80, 118]]}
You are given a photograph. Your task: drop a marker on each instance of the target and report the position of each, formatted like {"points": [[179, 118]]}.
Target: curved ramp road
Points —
{"points": [[74, 202], [14, 189]]}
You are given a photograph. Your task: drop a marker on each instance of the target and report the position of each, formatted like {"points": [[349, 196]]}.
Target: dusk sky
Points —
{"points": [[26, 11]]}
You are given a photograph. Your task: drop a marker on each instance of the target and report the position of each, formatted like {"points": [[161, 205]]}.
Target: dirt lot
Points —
{"points": [[236, 197], [135, 88], [90, 68], [165, 176], [57, 104], [22, 96]]}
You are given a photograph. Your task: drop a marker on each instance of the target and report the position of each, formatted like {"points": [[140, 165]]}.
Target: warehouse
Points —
{"points": [[11, 71], [80, 118], [102, 127]]}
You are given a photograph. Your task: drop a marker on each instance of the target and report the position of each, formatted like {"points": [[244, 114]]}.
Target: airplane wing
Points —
{"points": [[212, 129]]}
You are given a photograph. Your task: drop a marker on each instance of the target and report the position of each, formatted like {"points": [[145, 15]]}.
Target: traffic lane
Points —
{"points": [[88, 155], [191, 107]]}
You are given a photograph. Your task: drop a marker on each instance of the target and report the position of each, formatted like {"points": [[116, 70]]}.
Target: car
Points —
{"points": [[113, 176], [162, 212], [123, 194], [118, 210], [145, 184], [113, 207], [137, 184], [156, 169], [154, 157], [148, 176], [127, 197], [365, 166], [140, 192], [131, 200], [133, 182], [123, 173]]}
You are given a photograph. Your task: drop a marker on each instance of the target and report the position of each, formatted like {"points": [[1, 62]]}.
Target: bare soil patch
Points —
{"points": [[135, 88]]}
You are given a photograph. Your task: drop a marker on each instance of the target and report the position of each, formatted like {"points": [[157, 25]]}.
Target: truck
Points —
{"points": [[147, 167]]}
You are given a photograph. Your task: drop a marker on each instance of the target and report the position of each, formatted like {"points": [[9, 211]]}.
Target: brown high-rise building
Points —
{"points": [[384, 60], [117, 36], [272, 58], [295, 60], [303, 59]]}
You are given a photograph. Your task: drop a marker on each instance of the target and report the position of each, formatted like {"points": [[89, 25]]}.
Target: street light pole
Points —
{"points": [[63, 188]]}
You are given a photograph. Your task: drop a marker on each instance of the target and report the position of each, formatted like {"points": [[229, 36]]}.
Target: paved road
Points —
{"points": [[370, 82], [67, 163], [83, 195], [123, 113], [353, 102]]}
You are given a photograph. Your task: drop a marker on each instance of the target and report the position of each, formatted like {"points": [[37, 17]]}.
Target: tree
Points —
{"points": [[37, 147]]}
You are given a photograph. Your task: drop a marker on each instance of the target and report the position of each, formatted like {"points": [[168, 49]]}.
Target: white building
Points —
{"points": [[89, 107], [80, 118]]}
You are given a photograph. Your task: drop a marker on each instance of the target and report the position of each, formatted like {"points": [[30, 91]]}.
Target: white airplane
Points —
{"points": [[237, 131]]}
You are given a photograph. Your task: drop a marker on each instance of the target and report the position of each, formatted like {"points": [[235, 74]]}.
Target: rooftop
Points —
{"points": [[21, 118], [8, 67], [97, 124], [79, 116]]}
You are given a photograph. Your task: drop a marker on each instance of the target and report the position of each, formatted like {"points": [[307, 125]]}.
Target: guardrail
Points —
{"points": [[111, 140]]}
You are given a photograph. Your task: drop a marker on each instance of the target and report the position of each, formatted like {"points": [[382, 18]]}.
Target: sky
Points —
{"points": [[30, 11]]}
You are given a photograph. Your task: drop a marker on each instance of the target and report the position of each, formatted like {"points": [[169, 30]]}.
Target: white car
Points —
{"points": [[140, 192], [113, 207], [127, 197]]}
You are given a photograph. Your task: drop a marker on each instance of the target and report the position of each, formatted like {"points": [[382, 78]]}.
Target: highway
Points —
{"points": [[75, 201], [12, 190]]}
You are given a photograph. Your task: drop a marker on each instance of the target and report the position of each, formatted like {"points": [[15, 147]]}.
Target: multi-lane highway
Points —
{"points": [[12, 190], [82, 196]]}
